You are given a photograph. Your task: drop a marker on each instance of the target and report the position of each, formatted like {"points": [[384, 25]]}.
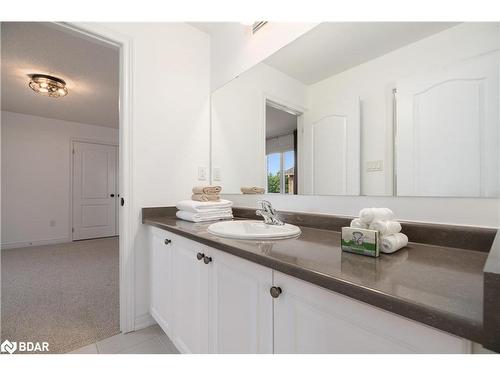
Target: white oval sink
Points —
{"points": [[253, 230]]}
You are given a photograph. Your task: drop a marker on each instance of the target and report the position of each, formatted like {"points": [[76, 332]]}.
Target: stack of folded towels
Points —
{"points": [[206, 193], [382, 220], [252, 190], [197, 211]]}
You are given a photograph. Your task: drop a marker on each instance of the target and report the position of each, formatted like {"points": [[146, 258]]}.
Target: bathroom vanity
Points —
{"points": [[304, 295]]}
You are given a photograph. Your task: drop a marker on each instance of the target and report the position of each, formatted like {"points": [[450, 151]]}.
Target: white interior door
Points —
{"points": [[447, 130], [334, 142], [95, 190]]}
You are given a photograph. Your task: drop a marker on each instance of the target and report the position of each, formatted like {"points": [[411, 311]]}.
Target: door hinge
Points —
{"points": [[73, 151], [72, 230]]}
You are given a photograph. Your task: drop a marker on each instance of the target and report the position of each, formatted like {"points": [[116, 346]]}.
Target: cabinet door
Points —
{"points": [[310, 319], [189, 297], [161, 277], [241, 308]]}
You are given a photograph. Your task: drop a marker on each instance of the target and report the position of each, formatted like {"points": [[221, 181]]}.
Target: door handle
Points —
{"points": [[122, 202], [200, 256], [112, 195], [275, 291], [207, 260]]}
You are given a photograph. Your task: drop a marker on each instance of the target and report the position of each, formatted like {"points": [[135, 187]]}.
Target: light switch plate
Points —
{"points": [[202, 173], [217, 174], [374, 165]]}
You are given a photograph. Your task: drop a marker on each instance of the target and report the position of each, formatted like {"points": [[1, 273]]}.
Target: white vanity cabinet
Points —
{"points": [[209, 301], [240, 306], [311, 319], [189, 296], [161, 278], [179, 290]]}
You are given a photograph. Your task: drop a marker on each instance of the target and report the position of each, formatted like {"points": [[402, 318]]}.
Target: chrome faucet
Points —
{"points": [[268, 213]]}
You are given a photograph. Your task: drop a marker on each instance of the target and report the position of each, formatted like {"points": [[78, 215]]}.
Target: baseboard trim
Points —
{"points": [[51, 241], [143, 321]]}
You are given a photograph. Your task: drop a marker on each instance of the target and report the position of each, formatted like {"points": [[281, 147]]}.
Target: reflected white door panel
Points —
{"points": [[332, 143], [447, 131]]}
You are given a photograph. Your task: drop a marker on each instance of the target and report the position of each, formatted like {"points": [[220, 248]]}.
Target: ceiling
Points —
{"points": [[279, 122], [90, 68], [213, 28], [333, 47]]}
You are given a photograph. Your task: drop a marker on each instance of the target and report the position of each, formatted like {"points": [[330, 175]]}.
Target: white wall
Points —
{"points": [[234, 48], [239, 124], [36, 165], [170, 125], [373, 82]]}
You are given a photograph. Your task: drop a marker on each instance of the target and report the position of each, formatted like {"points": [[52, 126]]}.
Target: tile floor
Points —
{"points": [[150, 340]]}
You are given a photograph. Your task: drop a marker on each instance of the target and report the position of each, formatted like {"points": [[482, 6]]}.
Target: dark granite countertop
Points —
{"points": [[435, 285]]}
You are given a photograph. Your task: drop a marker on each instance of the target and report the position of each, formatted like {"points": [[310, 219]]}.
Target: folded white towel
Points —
{"points": [[393, 242], [367, 215], [356, 223], [195, 206], [198, 217], [386, 227]]}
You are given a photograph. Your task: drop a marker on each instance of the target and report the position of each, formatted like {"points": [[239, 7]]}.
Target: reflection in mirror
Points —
{"points": [[408, 109], [281, 149]]}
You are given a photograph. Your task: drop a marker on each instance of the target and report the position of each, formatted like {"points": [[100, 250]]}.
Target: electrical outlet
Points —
{"points": [[217, 174], [202, 173], [374, 166]]}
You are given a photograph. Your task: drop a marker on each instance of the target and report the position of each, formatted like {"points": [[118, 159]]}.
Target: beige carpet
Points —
{"points": [[64, 294]]}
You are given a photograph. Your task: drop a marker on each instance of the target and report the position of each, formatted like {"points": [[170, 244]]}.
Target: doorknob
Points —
{"points": [[112, 195], [200, 256], [275, 291], [207, 259]]}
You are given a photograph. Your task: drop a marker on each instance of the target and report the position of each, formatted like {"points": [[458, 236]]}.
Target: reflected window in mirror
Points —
{"points": [[281, 151]]}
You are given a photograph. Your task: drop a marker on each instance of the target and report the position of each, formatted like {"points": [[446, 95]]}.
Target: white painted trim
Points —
{"points": [[143, 321], [127, 224], [50, 241]]}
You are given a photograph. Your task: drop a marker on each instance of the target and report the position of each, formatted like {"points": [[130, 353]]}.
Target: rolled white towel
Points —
{"points": [[385, 227], [199, 217], [367, 215], [393, 242], [356, 223]]}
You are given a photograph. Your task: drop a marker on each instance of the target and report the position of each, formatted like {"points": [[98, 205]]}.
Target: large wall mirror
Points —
{"points": [[407, 109]]}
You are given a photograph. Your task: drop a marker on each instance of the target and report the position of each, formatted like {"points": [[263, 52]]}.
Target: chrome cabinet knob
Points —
{"points": [[200, 256], [275, 291], [207, 259], [167, 241]]}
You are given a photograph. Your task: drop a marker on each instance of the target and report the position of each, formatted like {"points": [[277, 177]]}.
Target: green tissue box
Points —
{"points": [[360, 241]]}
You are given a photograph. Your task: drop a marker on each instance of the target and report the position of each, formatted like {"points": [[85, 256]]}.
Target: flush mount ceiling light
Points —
{"points": [[48, 85]]}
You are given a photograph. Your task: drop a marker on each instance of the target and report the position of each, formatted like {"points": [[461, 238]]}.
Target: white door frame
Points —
{"points": [[127, 224], [71, 176]]}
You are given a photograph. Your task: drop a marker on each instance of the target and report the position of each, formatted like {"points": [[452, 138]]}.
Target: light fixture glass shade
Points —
{"points": [[48, 85]]}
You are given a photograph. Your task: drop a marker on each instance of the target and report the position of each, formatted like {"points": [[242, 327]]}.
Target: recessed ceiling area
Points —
{"points": [[279, 122], [89, 66], [333, 47]]}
